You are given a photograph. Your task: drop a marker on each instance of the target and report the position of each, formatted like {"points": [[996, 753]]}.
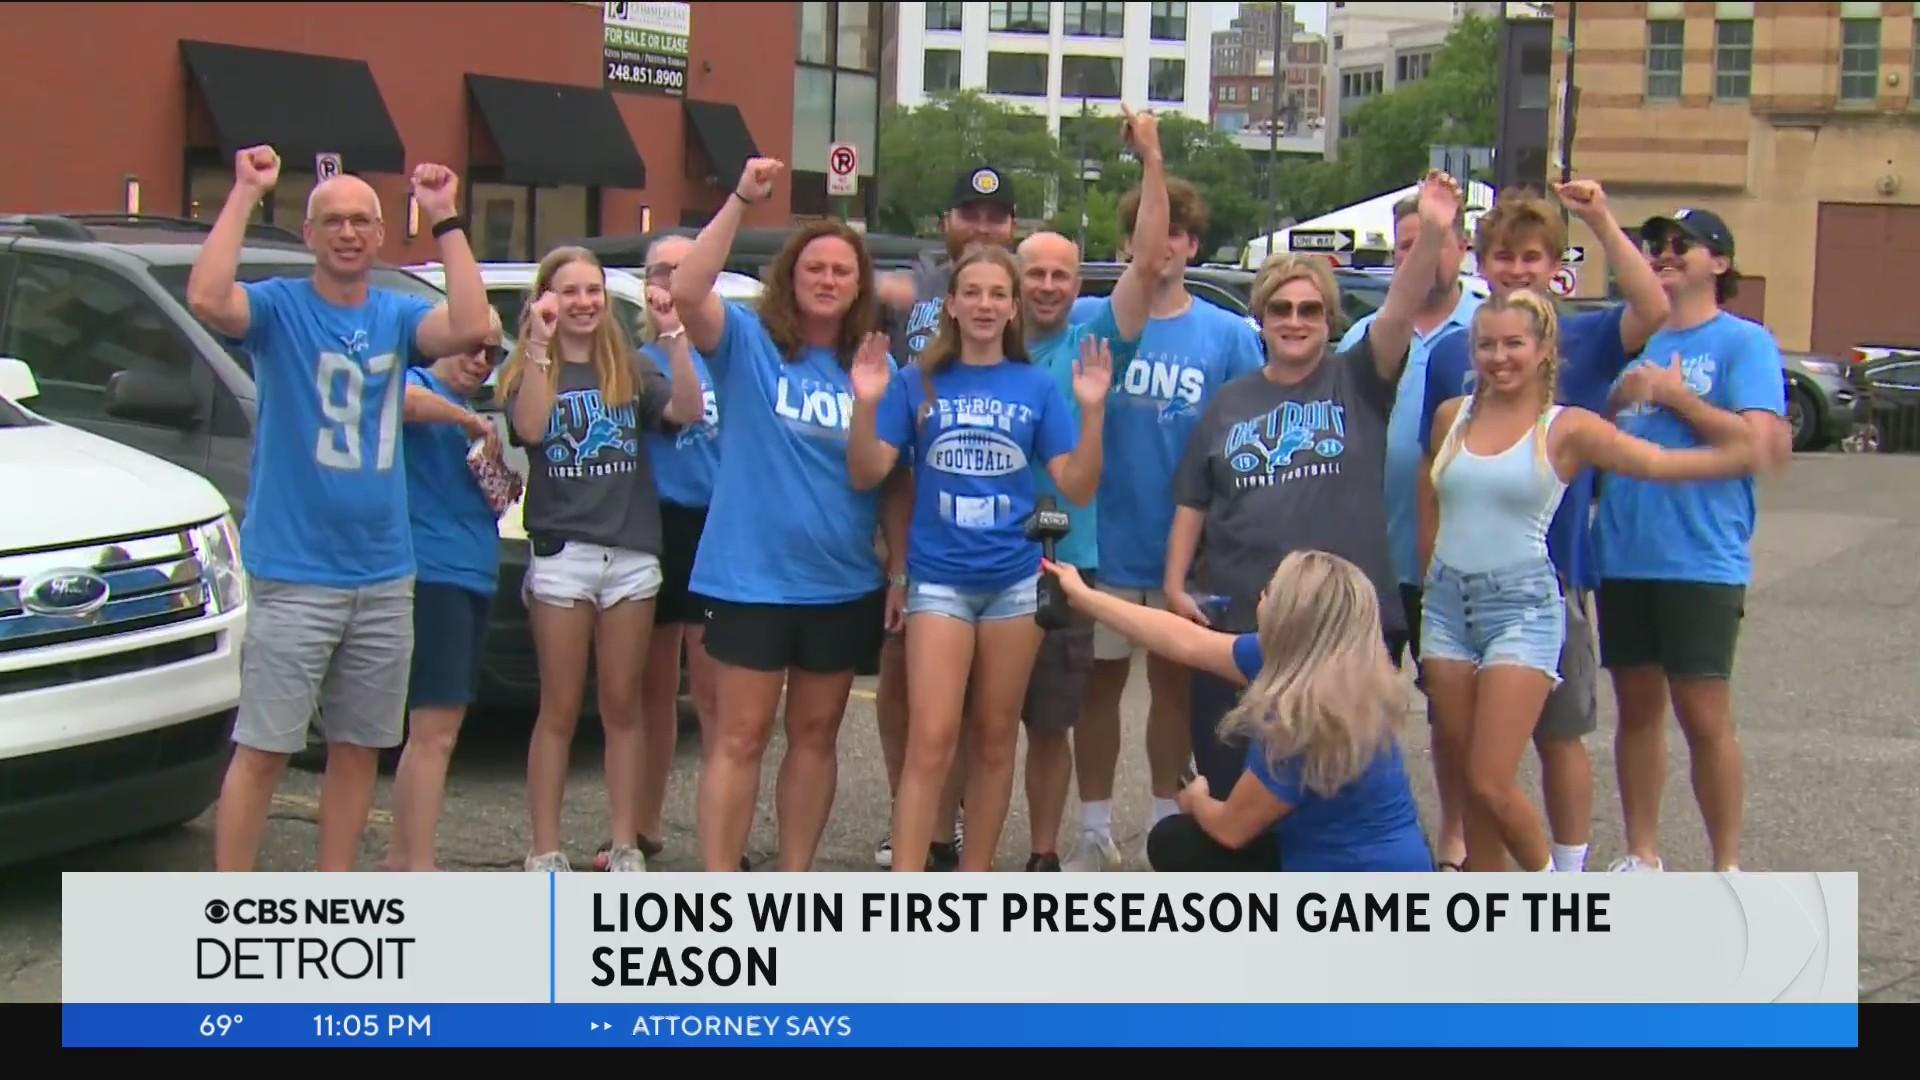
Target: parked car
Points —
{"points": [[1823, 406], [1889, 388], [122, 609]]}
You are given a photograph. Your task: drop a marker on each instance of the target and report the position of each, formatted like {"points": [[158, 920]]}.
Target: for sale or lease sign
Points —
{"points": [[645, 47]]}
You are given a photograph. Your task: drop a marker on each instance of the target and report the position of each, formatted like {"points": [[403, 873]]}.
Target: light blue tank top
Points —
{"points": [[1494, 511]]}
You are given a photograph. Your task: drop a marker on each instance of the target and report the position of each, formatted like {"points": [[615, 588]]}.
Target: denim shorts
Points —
{"points": [[1016, 601], [1511, 615]]}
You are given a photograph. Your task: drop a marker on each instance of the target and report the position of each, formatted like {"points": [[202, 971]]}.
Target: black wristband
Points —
{"points": [[452, 224], [744, 201]]}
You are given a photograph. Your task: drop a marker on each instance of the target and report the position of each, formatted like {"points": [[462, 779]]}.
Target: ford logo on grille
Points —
{"points": [[69, 592]]}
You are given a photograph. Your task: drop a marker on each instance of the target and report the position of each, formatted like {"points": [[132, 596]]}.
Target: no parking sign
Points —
{"points": [[843, 166]]}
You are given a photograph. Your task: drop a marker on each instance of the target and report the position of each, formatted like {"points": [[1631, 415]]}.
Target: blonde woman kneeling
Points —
{"points": [[1325, 784]]}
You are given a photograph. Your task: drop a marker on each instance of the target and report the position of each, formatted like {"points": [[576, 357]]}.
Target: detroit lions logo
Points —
{"points": [[1175, 411], [354, 343], [1264, 446], [601, 433]]}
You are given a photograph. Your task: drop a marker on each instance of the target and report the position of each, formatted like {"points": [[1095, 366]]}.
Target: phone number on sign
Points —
{"points": [[644, 75]]}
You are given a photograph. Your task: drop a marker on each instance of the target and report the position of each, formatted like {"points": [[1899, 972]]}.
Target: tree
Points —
{"points": [[923, 149], [1194, 151]]}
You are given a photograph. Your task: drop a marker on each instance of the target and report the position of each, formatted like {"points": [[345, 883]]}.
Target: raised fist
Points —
{"points": [[434, 187], [756, 180], [543, 316], [257, 168], [1584, 199], [660, 303], [1141, 132]]}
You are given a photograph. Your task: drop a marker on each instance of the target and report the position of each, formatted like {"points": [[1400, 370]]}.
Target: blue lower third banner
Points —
{"points": [[1222, 1025], [960, 960]]}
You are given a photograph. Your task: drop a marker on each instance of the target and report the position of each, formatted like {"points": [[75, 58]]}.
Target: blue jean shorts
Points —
{"points": [[1511, 615], [1016, 601]]}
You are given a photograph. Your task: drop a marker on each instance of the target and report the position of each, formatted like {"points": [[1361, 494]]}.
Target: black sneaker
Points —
{"points": [[1042, 864], [943, 857]]}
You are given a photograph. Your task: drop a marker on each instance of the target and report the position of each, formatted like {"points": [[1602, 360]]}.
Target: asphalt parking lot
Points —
{"points": [[1825, 697]]}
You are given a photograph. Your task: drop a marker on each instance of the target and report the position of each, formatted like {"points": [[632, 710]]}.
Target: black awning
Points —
{"points": [[551, 134], [723, 134], [298, 103]]}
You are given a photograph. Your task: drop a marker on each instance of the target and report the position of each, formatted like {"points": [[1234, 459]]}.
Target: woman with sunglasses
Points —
{"points": [[1292, 457], [457, 544]]}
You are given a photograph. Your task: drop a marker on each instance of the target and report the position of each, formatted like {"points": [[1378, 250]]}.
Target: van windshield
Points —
{"points": [[174, 280]]}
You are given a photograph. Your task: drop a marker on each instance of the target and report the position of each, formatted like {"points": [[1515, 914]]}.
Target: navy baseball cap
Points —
{"points": [[1702, 226], [983, 183]]}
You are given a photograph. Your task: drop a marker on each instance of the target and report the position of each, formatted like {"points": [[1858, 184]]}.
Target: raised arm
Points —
{"points": [[701, 309], [212, 293], [1161, 632], [870, 459], [1133, 293], [1078, 473], [687, 405], [532, 407], [1647, 303], [463, 322], [1592, 440], [1391, 334]]}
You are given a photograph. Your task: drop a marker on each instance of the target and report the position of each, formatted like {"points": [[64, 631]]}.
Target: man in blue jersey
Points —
{"points": [[1519, 244], [1189, 350], [1049, 282], [1674, 562], [326, 541]]}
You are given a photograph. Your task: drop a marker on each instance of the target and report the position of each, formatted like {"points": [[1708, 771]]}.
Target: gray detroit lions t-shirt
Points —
{"points": [[1278, 469], [591, 478], [915, 330]]}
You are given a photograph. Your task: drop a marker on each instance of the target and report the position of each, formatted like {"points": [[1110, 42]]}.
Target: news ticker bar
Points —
{"points": [[753, 941], [929, 1025]]}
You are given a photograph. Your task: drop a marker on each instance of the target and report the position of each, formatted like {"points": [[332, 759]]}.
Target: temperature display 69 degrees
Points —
{"points": [[219, 1025]]}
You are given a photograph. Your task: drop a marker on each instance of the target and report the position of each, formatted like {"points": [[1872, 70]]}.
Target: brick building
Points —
{"points": [[153, 99], [1794, 122]]}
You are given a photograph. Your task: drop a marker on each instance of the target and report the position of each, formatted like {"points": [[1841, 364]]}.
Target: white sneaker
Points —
{"points": [[883, 855], [1092, 853], [553, 862], [1634, 864], [626, 860]]}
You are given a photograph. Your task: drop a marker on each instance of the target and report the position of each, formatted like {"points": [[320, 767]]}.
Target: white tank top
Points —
{"points": [[1495, 510]]}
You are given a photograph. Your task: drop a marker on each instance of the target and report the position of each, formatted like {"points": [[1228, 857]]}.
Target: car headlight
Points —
{"points": [[218, 543], [1822, 367]]}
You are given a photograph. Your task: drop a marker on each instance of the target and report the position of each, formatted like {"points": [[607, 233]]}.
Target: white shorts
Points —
{"points": [[602, 576], [1110, 645]]}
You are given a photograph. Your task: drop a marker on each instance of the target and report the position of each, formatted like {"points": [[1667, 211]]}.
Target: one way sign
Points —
{"points": [[1335, 240]]}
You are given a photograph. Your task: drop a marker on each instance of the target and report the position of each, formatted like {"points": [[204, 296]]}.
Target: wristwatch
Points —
{"points": [[898, 581]]}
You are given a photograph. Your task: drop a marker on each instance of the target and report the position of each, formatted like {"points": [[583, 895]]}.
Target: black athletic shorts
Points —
{"points": [[824, 639], [680, 530], [1688, 629]]}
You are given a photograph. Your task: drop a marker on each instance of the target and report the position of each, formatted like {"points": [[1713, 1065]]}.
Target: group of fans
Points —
{"points": [[866, 464]]}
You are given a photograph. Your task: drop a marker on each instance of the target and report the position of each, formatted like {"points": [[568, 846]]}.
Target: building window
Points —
{"points": [[1859, 59], [1169, 22], [1020, 19], [1339, 42], [1666, 51], [1411, 67], [944, 16], [1253, 93], [1088, 76], [1097, 20], [1017, 73], [1732, 59], [942, 70], [859, 37], [1362, 84], [816, 39], [1536, 71], [836, 97], [1166, 80]]}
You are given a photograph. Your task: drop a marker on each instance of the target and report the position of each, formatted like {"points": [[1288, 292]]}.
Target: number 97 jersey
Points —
{"points": [[327, 503]]}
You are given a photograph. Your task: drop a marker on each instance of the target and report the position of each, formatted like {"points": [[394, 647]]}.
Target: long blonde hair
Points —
{"points": [[1327, 692], [1544, 323], [612, 355], [945, 347]]}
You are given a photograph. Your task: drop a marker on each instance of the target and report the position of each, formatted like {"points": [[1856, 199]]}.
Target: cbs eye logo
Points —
{"points": [[217, 911]]}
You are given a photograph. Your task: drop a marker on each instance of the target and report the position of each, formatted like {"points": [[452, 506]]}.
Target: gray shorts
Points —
{"points": [[1573, 709], [343, 652]]}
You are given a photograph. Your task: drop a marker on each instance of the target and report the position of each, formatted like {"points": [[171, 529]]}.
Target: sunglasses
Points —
{"points": [[1285, 309], [494, 354], [1678, 243]]}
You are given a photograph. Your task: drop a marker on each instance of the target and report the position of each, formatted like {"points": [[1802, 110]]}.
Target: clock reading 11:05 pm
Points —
{"points": [[371, 1025]]}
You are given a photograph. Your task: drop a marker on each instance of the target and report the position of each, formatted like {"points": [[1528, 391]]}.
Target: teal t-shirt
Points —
{"points": [[1057, 355]]}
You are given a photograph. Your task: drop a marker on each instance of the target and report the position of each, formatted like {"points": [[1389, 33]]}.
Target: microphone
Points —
{"points": [[1049, 525]]}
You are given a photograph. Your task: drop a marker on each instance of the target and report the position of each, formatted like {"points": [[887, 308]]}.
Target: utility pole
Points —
{"points": [[1273, 123], [1567, 96]]}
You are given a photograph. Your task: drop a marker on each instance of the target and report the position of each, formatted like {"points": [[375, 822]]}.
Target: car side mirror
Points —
{"points": [[16, 380], [145, 397]]}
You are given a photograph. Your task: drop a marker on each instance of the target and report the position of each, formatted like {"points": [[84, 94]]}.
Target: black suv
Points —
{"points": [[96, 306]]}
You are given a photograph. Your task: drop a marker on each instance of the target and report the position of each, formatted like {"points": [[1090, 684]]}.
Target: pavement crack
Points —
{"points": [[1912, 974]]}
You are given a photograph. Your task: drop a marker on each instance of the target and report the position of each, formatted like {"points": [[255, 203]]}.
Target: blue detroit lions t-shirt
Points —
{"points": [[327, 504], [1057, 355], [1591, 358], [1156, 402], [786, 525], [1403, 434], [975, 453], [685, 459], [1369, 826], [1697, 531], [456, 538]]}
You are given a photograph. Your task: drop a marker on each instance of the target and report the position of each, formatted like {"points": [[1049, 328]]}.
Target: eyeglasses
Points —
{"points": [[1285, 309], [1678, 243], [334, 223]]}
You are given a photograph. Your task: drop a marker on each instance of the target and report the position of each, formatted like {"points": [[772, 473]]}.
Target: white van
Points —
{"points": [[122, 607]]}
